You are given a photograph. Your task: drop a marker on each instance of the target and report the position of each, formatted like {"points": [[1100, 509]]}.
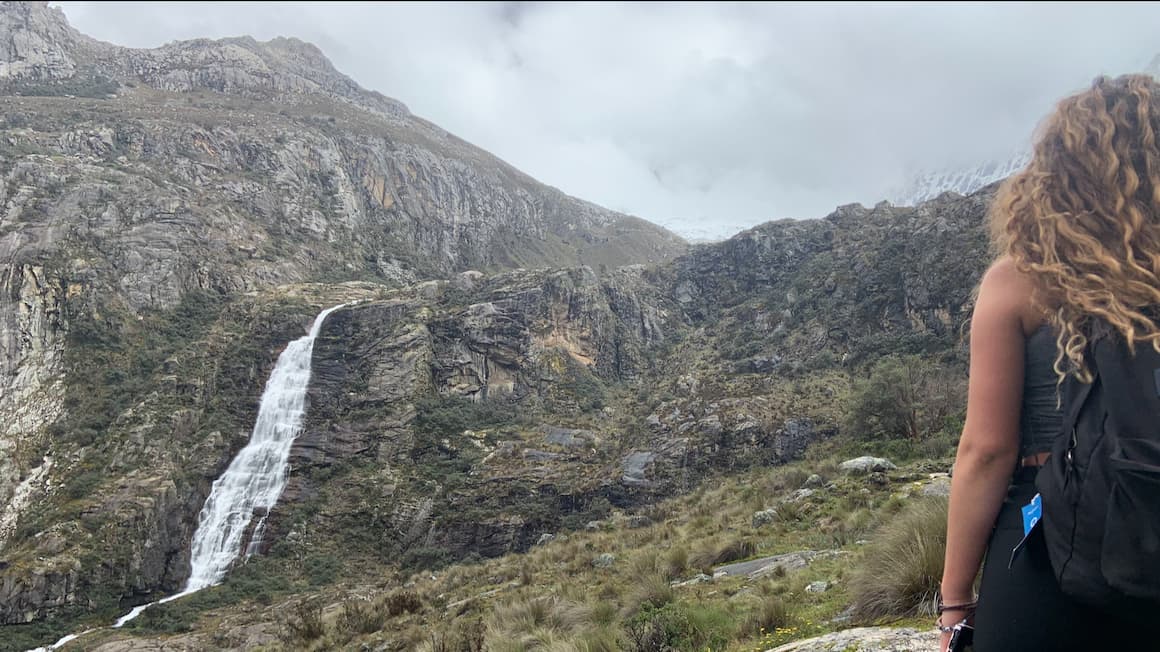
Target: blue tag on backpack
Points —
{"points": [[1032, 512]]}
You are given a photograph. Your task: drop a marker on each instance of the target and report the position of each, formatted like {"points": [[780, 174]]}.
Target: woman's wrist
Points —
{"points": [[956, 595]]}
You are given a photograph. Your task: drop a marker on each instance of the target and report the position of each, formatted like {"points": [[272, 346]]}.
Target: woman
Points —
{"points": [[1078, 231]]}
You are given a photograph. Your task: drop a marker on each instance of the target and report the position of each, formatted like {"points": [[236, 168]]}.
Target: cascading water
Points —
{"points": [[254, 479], [257, 475]]}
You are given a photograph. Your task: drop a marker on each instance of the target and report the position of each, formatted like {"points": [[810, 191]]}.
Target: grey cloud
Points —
{"points": [[703, 117]]}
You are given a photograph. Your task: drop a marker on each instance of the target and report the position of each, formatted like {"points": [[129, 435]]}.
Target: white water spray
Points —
{"points": [[252, 483]]}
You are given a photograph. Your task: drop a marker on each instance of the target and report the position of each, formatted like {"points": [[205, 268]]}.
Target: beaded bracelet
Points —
{"points": [[968, 607]]}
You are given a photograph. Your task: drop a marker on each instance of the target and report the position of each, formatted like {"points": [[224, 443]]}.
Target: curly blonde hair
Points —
{"points": [[1083, 218]]}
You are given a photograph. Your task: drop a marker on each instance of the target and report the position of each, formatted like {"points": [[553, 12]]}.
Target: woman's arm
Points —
{"points": [[990, 440]]}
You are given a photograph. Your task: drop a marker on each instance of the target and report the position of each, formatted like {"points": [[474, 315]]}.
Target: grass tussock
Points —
{"points": [[768, 615], [714, 554], [903, 565], [360, 617], [398, 603], [304, 624], [469, 636]]}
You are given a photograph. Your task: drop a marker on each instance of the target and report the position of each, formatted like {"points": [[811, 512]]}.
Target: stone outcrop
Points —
{"points": [[867, 639], [866, 464]]}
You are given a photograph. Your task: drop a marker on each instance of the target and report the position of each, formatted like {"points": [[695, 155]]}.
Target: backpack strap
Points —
{"points": [[1076, 392]]}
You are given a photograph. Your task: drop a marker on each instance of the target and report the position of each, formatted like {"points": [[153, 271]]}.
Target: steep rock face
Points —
{"points": [[540, 344], [31, 347], [859, 282], [36, 43], [588, 392]]}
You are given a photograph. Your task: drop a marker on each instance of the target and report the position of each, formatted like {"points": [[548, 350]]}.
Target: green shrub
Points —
{"points": [[680, 627], [168, 618], [402, 602], [900, 572], [322, 569], [84, 84], [904, 397], [426, 558]]}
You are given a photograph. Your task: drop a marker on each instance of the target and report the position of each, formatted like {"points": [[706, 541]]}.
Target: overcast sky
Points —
{"points": [[707, 118]]}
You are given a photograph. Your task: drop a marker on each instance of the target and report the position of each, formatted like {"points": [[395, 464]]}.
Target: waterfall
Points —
{"points": [[253, 481], [255, 478]]}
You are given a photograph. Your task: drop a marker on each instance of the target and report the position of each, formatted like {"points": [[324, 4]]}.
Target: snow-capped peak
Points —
{"points": [[928, 185]]}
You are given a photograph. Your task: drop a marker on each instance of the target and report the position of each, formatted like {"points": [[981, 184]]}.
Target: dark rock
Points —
{"points": [[635, 467], [569, 438]]}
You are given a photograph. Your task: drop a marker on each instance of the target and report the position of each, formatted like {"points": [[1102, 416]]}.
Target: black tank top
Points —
{"points": [[1039, 418]]}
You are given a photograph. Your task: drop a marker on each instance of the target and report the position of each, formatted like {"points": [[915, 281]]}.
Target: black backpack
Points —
{"points": [[1101, 486]]}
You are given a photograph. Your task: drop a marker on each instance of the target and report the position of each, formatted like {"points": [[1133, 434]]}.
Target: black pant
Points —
{"points": [[1021, 608]]}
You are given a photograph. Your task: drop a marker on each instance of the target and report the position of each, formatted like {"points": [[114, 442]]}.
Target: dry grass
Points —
{"points": [[766, 616], [304, 624], [398, 603], [649, 592], [713, 554], [900, 573], [361, 617], [553, 599]]}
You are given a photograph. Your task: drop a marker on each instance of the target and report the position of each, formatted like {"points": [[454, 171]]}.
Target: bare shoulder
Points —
{"points": [[1007, 290]]}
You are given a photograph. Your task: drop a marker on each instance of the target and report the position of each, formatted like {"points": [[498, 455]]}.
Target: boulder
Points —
{"points": [[866, 464], [764, 517], [868, 639], [799, 495], [605, 560]]}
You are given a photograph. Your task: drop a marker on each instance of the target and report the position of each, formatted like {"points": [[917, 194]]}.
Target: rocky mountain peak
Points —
{"points": [[38, 46], [36, 43]]}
